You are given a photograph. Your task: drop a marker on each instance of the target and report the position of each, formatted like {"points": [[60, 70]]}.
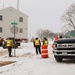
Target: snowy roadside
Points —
{"points": [[28, 63], [25, 52]]}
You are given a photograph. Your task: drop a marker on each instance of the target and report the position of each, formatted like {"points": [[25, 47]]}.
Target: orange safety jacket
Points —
{"points": [[56, 38]]}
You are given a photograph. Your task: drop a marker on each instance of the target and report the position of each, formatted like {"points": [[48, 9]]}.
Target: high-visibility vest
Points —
{"points": [[9, 42], [45, 42], [56, 38], [37, 42]]}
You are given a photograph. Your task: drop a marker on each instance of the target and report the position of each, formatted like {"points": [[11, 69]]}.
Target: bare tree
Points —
{"points": [[45, 33], [65, 28], [32, 39], [69, 18]]}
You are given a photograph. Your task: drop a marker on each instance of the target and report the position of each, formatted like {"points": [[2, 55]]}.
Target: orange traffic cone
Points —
{"points": [[44, 51]]}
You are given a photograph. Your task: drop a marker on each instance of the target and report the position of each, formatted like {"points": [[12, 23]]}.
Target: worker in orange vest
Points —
{"points": [[56, 38], [9, 45], [37, 45]]}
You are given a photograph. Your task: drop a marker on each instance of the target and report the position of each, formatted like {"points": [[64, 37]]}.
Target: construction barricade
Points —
{"points": [[44, 51]]}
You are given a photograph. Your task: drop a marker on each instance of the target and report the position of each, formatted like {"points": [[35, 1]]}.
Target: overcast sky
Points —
{"points": [[43, 14]]}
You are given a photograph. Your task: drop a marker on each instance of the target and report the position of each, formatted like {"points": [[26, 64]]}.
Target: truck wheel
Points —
{"points": [[58, 59]]}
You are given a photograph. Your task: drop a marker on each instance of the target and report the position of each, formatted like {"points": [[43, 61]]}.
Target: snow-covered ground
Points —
{"points": [[28, 63]]}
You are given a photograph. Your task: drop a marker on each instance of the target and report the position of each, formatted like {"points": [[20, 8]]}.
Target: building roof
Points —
{"points": [[11, 9]]}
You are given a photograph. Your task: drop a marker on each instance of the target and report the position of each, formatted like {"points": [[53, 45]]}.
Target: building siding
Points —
{"points": [[11, 14]]}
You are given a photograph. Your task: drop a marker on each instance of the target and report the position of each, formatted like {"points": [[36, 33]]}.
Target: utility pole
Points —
{"points": [[17, 4], [3, 5]]}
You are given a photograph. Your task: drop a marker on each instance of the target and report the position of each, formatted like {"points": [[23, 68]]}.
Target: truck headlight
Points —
{"points": [[55, 46]]}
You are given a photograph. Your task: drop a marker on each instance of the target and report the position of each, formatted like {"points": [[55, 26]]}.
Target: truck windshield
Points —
{"points": [[70, 34]]}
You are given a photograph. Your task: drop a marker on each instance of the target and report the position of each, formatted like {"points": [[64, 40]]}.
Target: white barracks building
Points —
{"points": [[7, 17]]}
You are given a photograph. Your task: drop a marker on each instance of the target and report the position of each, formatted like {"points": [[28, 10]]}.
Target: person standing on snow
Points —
{"points": [[56, 38], [37, 45], [9, 45], [45, 41]]}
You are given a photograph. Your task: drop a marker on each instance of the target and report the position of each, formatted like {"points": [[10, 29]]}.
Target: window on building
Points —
{"points": [[1, 17], [0, 29], [21, 30], [20, 19]]}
